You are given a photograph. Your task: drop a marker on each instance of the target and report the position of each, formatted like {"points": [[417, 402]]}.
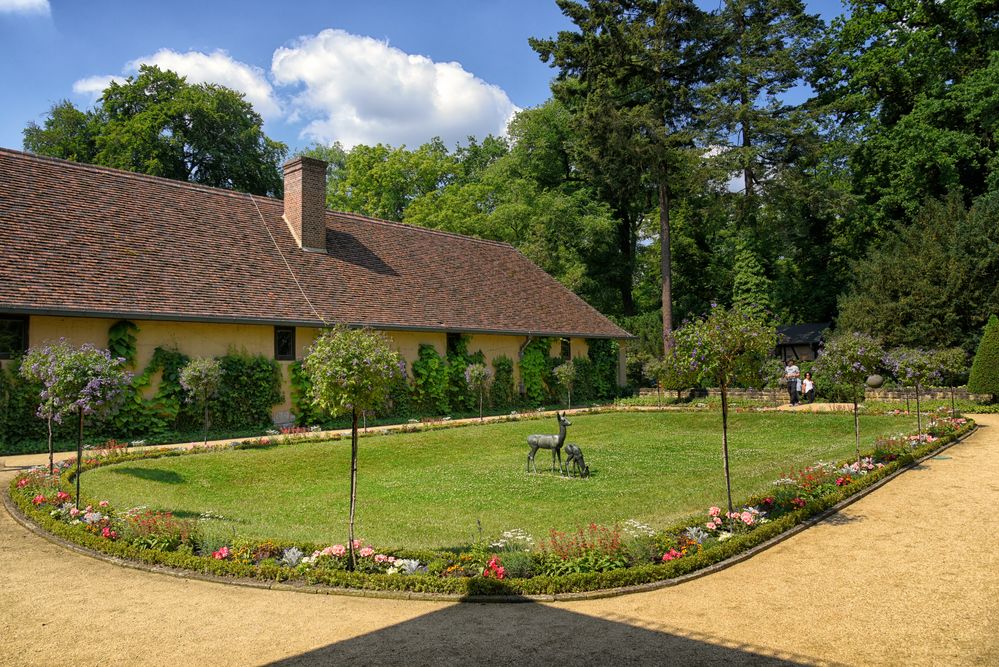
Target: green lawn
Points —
{"points": [[430, 489]]}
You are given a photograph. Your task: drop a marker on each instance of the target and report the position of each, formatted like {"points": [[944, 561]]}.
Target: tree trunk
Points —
{"points": [[480, 404], [919, 417], [856, 423], [353, 487], [728, 478], [206, 421], [953, 410], [569, 404], [626, 245], [665, 265], [51, 452], [79, 456]]}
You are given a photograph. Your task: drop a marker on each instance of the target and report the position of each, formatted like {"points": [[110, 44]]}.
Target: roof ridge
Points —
{"points": [[114, 171], [429, 230]]}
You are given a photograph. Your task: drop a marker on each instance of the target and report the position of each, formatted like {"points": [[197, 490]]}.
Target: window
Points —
{"points": [[284, 343], [13, 335], [566, 348], [453, 343]]}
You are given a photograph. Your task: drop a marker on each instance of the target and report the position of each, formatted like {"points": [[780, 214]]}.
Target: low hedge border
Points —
{"points": [[472, 589]]}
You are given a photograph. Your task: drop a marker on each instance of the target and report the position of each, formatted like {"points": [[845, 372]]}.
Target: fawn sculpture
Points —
{"points": [[574, 456], [552, 442]]}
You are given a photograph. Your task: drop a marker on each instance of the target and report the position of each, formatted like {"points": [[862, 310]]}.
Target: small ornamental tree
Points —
{"points": [[201, 379], [849, 359], [673, 372], [351, 371], [36, 367], [913, 367], [952, 365], [727, 346], [477, 376], [79, 381], [565, 376], [984, 378]]}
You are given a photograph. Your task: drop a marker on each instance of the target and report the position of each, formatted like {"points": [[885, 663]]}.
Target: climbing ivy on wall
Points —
{"points": [[502, 393], [534, 371], [250, 388], [430, 382]]}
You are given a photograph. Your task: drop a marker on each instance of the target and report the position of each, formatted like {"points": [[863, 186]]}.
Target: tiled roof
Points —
{"points": [[802, 334], [80, 239]]}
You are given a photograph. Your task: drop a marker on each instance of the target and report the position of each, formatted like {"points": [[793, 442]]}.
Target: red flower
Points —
{"points": [[62, 496], [39, 499], [23, 482], [798, 502]]}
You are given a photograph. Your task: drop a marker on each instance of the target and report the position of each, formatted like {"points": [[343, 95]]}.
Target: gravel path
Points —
{"points": [[908, 575]]}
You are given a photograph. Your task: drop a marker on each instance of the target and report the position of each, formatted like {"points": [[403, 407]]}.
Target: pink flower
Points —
{"points": [[381, 558], [62, 496], [221, 554], [672, 554], [357, 544], [39, 499], [103, 503], [366, 552], [21, 483], [73, 512], [710, 525], [718, 521], [747, 518], [338, 550], [108, 533], [714, 511]]}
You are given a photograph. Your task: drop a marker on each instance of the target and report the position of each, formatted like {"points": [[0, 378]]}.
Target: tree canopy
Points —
{"points": [[159, 124]]}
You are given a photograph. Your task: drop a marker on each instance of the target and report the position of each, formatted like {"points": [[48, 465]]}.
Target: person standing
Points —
{"points": [[808, 388], [793, 376]]}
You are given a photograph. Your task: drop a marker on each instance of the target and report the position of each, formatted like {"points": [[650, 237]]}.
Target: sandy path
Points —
{"points": [[908, 575]]}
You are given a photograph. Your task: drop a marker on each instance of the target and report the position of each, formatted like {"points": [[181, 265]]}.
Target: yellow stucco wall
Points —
{"points": [[199, 339]]}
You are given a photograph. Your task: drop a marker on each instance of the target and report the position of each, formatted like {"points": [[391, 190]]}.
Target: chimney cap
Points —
{"points": [[304, 162]]}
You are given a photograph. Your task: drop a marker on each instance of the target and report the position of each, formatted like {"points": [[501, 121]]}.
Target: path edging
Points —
{"points": [[16, 513]]}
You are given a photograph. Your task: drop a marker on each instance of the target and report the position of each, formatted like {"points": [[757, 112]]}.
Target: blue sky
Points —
{"points": [[391, 71]]}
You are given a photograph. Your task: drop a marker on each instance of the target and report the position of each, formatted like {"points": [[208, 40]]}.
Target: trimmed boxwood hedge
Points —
{"points": [[459, 586]]}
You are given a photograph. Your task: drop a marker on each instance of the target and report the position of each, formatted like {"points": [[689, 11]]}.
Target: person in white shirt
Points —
{"points": [[808, 388], [793, 376]]}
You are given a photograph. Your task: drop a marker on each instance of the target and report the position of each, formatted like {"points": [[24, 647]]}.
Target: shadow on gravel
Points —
{"points": [[840, 519], [526, 634], [151, 474]]}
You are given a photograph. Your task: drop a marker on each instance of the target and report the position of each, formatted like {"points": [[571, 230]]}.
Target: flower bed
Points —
{"points": [[515, 563]]}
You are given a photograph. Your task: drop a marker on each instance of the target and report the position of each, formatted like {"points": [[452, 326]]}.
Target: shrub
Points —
{"points": [[984, 378], [430, 382], [502, 391]]}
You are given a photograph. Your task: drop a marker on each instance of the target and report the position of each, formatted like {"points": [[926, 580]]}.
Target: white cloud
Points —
{"points": [[25, 7], [217, 67], [361, 90], [94, 85]]}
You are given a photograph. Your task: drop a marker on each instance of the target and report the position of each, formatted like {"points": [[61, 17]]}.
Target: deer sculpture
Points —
{"points": [[552, 442], [574, 457]]}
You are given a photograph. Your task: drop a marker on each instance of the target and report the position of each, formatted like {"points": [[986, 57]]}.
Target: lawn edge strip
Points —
{"points": [[803, 520]]}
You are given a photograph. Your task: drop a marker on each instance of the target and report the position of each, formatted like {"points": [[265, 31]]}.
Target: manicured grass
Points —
{"points": [[433, 489]]}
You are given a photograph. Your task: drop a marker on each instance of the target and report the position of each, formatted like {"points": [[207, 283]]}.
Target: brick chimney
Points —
{"points": [[305, 202]]}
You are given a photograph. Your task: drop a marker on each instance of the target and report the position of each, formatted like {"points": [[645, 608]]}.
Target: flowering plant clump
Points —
{"points": [[565, 376], [494, 569]]}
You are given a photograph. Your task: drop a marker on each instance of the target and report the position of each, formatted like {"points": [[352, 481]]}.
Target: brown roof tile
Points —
{"points": [[81, 239]]}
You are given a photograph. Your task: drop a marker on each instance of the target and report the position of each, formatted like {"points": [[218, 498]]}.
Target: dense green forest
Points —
{"points": [[845, 171]]}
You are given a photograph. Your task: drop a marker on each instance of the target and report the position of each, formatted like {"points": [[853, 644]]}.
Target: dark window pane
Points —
{"points": [[284, 343], [453, 342], [566, 349], [13, 336]]}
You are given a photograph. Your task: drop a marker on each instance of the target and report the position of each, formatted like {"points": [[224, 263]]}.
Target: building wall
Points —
{"points": [[200, 339]]}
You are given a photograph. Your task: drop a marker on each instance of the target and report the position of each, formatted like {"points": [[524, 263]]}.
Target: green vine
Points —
{"points": [[121, 341], [430, 382], [502, 392], [534, 371]]}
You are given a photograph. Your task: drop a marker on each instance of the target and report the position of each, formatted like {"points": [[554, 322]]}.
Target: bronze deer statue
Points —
{"points": [[552, 442], [574, 456]]}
